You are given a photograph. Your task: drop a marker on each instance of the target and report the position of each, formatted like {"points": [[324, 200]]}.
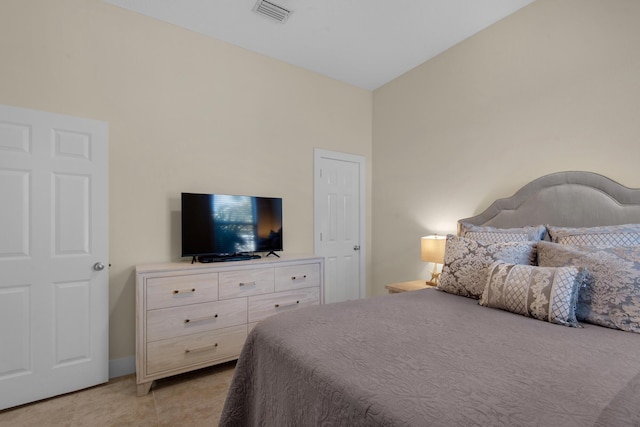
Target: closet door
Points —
{"points": [[54, 276], [339, 222]]}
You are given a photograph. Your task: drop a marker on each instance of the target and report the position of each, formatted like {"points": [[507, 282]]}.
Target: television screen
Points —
{"points": [[223, 225]]}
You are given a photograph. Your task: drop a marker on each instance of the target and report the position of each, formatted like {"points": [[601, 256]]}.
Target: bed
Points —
{"points": [[569, 355]]}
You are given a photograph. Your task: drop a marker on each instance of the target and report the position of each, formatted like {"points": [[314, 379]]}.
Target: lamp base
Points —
{"points": [[434, 279]]}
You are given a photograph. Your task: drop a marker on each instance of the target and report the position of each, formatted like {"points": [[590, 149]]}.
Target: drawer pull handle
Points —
{"points": [[183, 291], [201, 319], [206, 347], [298, 277], [287, 305], [247, 284]]}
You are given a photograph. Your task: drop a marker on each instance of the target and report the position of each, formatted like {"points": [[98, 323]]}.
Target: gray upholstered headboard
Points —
{"points": [[565, 199]]}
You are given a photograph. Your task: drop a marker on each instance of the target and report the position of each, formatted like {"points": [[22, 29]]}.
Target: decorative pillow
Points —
{"points": [[611, 297], [498, 235], [607, 236], [466, 261], [544, 293]]}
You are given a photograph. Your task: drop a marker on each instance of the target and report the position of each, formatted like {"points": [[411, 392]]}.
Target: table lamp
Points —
{"points": [[432, 250]]}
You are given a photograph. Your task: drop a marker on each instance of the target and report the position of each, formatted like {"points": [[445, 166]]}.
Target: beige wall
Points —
{"points": [[553, 87], [185, 113]]}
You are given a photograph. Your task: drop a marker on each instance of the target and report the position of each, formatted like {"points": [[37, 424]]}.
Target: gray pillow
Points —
{"points": [[466, 261], [497, 235], [544, 293], [606, 236], [611, 297]]}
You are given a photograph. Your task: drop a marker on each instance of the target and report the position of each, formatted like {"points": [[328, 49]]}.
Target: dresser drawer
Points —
{"points": [[195, 349], [189, 319], [297, 276], [246, 282], [263, 306], [173, 291]]}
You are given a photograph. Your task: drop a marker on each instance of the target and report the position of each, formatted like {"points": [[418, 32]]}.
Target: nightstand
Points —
{"points": [[413, 285]]}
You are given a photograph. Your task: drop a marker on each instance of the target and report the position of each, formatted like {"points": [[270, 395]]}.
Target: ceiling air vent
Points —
{"points": [[271, 11]]}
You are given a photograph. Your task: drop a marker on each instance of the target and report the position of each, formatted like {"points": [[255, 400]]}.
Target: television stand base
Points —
{"points": [[272, 253], [224, 258]]}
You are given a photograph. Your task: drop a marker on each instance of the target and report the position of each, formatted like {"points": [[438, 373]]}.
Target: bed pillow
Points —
{"points": [[465, 263], [611, 297], [606, 236], [544, 293], [497, 235]]}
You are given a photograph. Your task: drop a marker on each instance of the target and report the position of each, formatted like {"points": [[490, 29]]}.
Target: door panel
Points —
{"points": [[14, 217], [72, 319], [14, 325], [71, 214], [53, 304]]}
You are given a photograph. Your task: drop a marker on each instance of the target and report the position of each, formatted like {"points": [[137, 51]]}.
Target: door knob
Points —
{"points": [[98, 266]]}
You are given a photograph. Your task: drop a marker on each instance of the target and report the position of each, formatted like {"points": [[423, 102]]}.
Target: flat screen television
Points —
{"points": [[221, 227]]}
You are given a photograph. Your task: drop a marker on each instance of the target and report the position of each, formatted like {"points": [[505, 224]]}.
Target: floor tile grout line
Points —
{"points": [[155, 406]]}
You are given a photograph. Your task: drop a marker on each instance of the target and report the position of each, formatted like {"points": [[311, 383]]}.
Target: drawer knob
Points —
{"points": [[287, 305], [184, 291], [298, 277], [201, 319], [246, 284]]}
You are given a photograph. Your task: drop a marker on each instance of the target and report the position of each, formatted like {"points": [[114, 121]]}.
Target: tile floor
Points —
{"points": [[191, 399]]}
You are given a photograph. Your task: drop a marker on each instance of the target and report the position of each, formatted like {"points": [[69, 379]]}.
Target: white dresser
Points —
{"points": [[189, 316]]}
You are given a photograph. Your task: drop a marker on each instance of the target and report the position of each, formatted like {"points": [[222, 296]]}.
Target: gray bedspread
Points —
{"points": [[427, 358]]}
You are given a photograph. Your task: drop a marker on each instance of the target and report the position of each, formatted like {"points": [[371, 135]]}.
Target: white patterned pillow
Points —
{"points": [[544, 293], [500, 235], [606, 236], [466, 261], [612, 295]]}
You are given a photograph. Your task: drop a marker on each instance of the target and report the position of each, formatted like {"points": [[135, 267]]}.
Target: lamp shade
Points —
{"points": [[432, 248]]}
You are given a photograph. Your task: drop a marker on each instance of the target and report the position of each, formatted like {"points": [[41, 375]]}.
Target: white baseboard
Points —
{"points": [[122, 366]]}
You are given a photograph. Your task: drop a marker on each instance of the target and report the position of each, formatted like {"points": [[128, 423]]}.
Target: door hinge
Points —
{"points": [[356, 248]]}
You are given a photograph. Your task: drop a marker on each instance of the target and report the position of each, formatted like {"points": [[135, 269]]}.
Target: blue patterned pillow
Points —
{"points": [[501, 235], [544, 293], [612, 295], [466, 262], [606, 236]]}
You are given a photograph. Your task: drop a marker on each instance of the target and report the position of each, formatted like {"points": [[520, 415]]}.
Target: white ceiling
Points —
{"points": [[366, 43]]}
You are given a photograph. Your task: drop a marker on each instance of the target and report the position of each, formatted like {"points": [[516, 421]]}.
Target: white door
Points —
{"points": [[339, 223], [54, 299]]}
